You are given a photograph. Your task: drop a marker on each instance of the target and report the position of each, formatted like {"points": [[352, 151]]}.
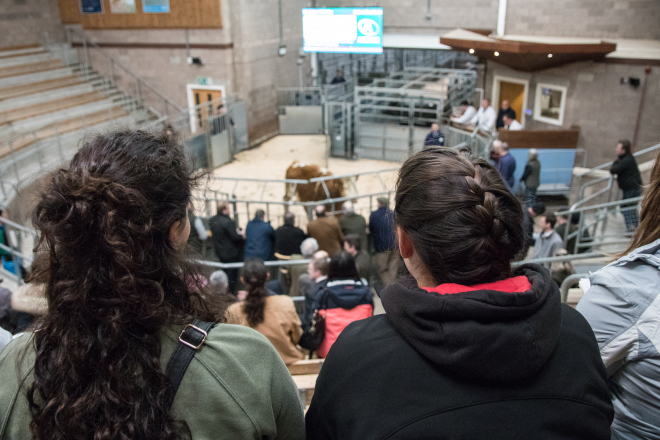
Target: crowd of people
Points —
{"points": [[122, 309]]}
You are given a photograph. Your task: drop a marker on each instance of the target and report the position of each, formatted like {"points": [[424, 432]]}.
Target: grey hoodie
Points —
{"points": [[623, 308]]}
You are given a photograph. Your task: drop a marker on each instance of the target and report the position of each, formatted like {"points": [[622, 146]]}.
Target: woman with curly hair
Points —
{"points": [[121, 288], [274, 316]]}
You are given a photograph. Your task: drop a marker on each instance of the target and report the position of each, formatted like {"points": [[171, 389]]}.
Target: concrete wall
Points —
{"points": [[605, 110], [22, 22], [584, 18]]}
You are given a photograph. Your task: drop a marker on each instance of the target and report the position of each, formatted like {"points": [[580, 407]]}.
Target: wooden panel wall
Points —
{"points": [[194, 14], [69, 11]]}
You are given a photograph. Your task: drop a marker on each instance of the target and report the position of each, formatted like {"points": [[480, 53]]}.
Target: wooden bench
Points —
{"points": [[47, 107], [23, 69], [304, 374], [38, 87]]}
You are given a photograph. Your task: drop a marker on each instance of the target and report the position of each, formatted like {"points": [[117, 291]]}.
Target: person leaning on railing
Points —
{"points": [[469, 348], [121, 292], [623, 306]]}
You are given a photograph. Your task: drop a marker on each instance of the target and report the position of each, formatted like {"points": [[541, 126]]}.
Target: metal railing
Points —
{"points": [[139, 86]]}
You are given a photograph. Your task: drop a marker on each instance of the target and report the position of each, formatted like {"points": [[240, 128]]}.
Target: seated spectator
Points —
{"points": [[435, 138], [219, 282], [352, 223], [564, 229], [510, 123], [584, 233], [469, 348], [344, 300], [259, 238], [485, 117], [353, 246], [548, 240], [326, 231], [300, 281], [468, 113], [622, 308], [317, 270], [387, 257], [505, 110], [530, 213], [288, 237], [274, 316], [121, 292], [561, 270]]}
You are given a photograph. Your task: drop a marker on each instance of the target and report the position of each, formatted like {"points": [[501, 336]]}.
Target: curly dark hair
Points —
{"points": [[114, 282], [463, 222], [255, 276]]}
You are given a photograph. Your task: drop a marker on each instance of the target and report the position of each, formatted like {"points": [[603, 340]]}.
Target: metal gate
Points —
{"points": [[341, 126], [300, 110]]}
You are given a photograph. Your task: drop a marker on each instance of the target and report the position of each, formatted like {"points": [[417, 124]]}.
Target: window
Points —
{"points": [[550, 103]]}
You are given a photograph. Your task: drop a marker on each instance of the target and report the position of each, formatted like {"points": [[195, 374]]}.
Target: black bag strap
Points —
{"points": [[191, 339]]}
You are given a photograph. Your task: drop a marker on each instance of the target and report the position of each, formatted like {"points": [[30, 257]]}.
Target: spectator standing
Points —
{"points": [[119, 306], [300, 281], [326, 231], [531, 176], [435, 138], [485, 117], [622, 308], [274, 316], [353, 246], [505, 110], [467, 115], [259, 238], [344, 300], [506, 165], [630, 181], [537, 208], [381, 226], [339, 77], [510, 123], [288, 237], [317, 269], [352, 223], [548, 240], [470, 348], [227, 241]]}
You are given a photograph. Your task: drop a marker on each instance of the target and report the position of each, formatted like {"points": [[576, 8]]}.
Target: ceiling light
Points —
{"points": [[471, 50], [549, 55], [497, 54]]}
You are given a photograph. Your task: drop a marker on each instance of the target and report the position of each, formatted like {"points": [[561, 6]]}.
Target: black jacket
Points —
{"points": [[627, 173], [288, 240], [228, 244], [473, 365]]}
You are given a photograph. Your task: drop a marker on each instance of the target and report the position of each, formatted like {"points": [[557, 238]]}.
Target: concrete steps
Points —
{"points": [[31, 78], [26, 59], [27, 91], [8, 52], [47, 107]]}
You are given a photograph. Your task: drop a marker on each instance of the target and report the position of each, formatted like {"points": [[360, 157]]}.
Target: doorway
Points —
{"points": [[513, 90], [205, 100]]}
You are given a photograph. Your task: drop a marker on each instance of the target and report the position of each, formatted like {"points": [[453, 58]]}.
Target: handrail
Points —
{"points": [[137, 78]]}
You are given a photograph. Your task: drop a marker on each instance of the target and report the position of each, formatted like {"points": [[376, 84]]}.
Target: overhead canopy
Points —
{"points": [[527, 55]]}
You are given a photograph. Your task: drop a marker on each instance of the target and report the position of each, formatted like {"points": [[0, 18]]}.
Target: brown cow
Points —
{"points": [[314, 191]]}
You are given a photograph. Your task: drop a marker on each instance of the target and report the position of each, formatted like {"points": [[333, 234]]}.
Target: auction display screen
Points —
{"points": [[345, 30]]}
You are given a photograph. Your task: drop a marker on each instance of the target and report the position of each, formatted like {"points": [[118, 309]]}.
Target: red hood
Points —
{"points": [[510, 285]]}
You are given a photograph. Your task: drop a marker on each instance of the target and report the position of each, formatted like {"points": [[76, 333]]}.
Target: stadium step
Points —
{"points": [[22, 69], [29, 90], [47, 107], [35, 77], [6, 52], [77, 88], [26, 59]]}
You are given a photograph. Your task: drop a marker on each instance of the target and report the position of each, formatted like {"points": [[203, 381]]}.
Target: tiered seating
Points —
{"points": [[304, 375], [41, 98]]}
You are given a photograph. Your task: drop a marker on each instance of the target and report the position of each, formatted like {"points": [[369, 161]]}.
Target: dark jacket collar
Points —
{"points": [[484, 334]]}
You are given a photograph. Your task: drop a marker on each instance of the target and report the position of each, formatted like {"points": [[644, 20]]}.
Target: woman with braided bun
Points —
{"points": [[470, 348], [121, 290]]}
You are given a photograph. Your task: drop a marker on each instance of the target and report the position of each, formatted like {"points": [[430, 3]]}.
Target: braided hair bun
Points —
{"points": [[463, 222]]}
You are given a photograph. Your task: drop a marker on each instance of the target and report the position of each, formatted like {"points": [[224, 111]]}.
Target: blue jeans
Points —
{"points": [[629, 210]]}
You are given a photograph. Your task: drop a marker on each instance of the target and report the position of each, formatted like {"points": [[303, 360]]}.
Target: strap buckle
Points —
{"points": [[194, 347]]}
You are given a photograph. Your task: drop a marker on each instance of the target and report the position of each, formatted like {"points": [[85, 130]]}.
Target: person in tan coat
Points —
{"points": [[326, 231], [274, 316]]}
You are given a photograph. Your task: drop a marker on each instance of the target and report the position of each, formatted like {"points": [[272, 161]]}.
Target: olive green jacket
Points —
{"points": [[236, 387]]}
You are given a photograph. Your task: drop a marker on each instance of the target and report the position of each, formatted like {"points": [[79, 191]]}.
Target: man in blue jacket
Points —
{"points": [[259, 238], [381, 227], [506, 165], [435, 138]]}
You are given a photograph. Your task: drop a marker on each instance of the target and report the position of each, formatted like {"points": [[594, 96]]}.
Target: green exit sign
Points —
{"points": [[204, 81]]}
